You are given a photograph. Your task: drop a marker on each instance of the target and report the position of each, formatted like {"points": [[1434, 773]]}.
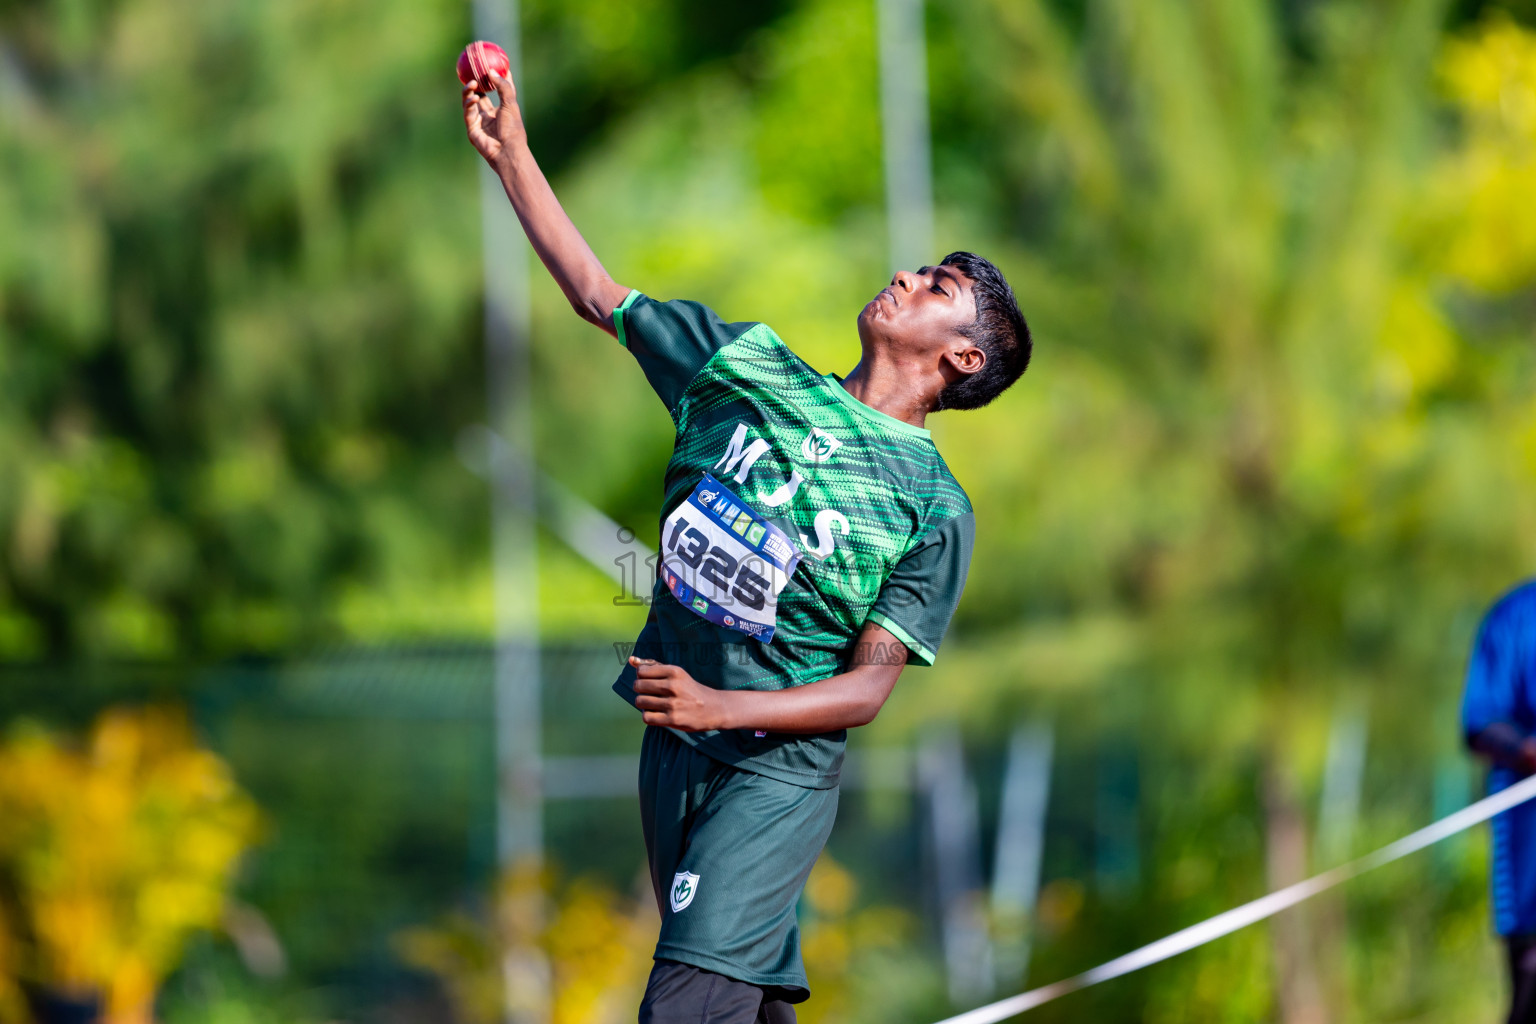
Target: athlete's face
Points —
{"points": [[922, 314]]}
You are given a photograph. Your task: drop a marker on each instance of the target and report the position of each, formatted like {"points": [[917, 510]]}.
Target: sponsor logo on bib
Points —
{"points": [[778, 548]]}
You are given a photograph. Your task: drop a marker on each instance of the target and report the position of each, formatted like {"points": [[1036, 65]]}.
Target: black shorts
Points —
{"points": [[685, 994], [1522, 978]]}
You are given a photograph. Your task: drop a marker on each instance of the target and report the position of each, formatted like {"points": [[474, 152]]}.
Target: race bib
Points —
{"points": [[725, 562]]}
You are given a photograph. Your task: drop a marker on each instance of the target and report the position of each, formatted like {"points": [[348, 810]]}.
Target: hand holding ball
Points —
{"points": [[480, 60], [492, 126]]}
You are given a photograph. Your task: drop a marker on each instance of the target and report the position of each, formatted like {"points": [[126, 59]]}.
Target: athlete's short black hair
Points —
{"points": [[999, 330]]}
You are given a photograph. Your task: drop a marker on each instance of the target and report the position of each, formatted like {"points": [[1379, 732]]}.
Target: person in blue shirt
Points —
{"points": [[1498, 719]]}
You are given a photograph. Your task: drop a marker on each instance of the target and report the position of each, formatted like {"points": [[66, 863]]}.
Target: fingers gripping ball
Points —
{"points": [[480, 60]]}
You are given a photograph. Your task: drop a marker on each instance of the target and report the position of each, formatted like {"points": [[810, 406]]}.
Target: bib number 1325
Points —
{"points": [[724, 562]]}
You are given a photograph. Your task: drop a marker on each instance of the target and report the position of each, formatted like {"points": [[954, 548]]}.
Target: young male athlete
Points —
{"points": [[813, 543]]}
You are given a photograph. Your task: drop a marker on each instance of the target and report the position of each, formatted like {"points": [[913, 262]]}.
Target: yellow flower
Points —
{"points": [[1491, 77], [117, 850]]}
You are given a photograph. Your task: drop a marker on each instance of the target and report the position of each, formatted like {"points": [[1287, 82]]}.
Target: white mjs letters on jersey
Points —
{"points": [[826, 519], [741, 457]]}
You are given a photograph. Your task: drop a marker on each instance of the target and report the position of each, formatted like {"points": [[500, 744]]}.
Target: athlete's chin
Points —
{"points": [[875, 327]]}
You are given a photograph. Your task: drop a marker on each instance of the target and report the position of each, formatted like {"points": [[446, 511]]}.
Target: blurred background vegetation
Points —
{"points": [[1276, 453]]}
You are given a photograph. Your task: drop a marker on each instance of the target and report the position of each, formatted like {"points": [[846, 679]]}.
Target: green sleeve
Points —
{"points": [[920, 596], [672, 340]]}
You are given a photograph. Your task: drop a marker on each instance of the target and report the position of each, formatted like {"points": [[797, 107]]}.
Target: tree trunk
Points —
{"points": [[1293, 933]]}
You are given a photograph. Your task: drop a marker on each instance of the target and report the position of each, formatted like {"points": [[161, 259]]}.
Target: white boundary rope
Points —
{"points": [[1251, 913]]}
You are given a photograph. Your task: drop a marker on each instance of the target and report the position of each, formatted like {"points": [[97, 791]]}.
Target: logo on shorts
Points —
{"points": [[684, 885]]}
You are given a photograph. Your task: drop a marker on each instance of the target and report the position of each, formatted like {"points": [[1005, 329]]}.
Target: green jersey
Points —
{"points": [[793, 515]]}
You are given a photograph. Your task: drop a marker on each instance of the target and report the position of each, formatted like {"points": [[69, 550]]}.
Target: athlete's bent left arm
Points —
{"points": [[668, 695]]}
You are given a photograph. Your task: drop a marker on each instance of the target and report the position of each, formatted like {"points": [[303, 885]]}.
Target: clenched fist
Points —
{"points": [[668, 695]]}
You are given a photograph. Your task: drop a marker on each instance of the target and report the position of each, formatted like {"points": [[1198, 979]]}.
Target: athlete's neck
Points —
{"points": [[888, 386]]}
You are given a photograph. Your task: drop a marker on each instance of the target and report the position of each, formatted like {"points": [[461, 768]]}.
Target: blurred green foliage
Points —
{"points": [[1277, 446]]}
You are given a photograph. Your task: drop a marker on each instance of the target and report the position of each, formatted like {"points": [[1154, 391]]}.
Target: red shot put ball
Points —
{"points": [[480, 60]]}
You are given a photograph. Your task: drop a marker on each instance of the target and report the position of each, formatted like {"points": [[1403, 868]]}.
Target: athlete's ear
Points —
{"points": [[964, 358]]}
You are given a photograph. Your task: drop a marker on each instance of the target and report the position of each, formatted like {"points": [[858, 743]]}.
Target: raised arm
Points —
{"points": [[500, 137]]}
